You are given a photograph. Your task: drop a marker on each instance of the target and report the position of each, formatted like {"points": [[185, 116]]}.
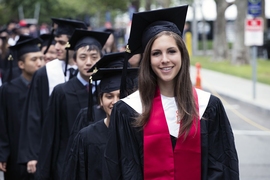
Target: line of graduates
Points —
{"points": [[86, 115]]}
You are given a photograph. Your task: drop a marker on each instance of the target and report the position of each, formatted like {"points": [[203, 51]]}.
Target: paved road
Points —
{"points": [[252, 136]]}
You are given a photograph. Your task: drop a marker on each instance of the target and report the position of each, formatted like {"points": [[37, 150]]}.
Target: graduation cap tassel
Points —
{"points": [[67, 58], [50, 41], [90, 113], [10, 60], [123, 88]]}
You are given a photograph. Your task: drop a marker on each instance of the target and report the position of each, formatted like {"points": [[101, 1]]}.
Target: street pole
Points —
{"points": [[254, 70], [194, 31]]}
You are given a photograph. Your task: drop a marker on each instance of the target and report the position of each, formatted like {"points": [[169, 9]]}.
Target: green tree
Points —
{"points": [[58, 8]]}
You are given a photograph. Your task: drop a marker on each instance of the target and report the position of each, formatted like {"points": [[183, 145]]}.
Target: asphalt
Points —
{"points": [[254, 94]]}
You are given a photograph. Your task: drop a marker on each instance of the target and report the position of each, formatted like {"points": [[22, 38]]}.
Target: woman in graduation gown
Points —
{"points": [[167, 129], [85, 157]]}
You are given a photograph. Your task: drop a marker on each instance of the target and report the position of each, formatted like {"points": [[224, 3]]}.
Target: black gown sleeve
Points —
{"points": [[123, 152], [4, 139], [219, 155], [75, 161], [51, 135], [34, 111]]}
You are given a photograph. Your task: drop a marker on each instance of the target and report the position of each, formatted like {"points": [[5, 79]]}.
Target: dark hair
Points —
{"points": [[183, 90], [90, 48], [22, 58]]}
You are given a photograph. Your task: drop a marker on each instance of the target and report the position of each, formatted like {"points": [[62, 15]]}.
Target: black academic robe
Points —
{"points": [[16, 72], [33, 117], [12, 99], [124, 150], [64, 105], [85, 157], [83, 121]]}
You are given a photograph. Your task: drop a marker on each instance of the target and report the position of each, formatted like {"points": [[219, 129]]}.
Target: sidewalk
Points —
{"points": [[234, 87]]}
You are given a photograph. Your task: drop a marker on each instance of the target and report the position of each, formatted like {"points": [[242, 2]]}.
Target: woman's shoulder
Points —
{"points": [[131, 102]]}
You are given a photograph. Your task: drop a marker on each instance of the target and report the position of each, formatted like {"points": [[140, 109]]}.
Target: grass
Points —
{"points": [[210, 45], [244, 71]]}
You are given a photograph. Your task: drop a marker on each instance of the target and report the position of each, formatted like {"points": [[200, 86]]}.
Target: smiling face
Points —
{"points": [[60, 45], [165, 59], [51, 53], [108, 100]]}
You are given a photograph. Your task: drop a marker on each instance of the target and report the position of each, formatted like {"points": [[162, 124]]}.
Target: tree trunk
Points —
{"points": [[148, 5], [240, 53], [220, 45]]}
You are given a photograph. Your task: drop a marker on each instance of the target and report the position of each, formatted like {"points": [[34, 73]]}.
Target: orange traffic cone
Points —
{"points": [[198, 76]]}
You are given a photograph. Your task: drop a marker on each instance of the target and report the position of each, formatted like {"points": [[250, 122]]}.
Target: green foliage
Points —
{"points": [[58, 8], [244, 71]]}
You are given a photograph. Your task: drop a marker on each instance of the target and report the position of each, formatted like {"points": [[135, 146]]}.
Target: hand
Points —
{"points": [[3, 166], [31, 166]]}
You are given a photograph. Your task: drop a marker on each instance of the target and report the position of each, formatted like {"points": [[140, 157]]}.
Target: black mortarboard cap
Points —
{"points": [[112, 60], [109, 71], [67, 26], [23, 38], [82, 38], [24, 46], [46, 40], [109, 30], [146, 25]]}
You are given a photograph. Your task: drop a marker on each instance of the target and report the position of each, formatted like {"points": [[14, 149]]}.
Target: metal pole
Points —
{"points": [[194, 31], [37, 11], [254, 69], [21, 14]]}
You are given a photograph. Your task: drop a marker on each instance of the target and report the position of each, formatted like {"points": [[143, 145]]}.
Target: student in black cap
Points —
{"points": [[167, 129], [49, 52], [13, 96], [44, 80], [112, 60], [84, 158], [65, 103], [12, 66]]}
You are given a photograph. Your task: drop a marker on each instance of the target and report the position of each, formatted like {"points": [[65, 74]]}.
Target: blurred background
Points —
{"points": [[228, 42]]}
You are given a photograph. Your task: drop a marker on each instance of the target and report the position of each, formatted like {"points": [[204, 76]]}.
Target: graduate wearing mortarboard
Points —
{"points": [[16, 71], [44, 80], [167, 130], [65, 102], [13, 96], [113, 60], [49, 52], [85, 156]]}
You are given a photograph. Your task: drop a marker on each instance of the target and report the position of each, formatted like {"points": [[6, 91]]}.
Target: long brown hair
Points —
{"points": [[183, 91]]}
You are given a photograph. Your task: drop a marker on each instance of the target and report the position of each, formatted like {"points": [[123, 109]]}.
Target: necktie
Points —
{"points": [[71, 72]]}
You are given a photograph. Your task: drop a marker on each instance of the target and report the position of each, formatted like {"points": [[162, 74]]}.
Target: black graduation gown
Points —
{"points": [[33, 116], [16, 72], [83, 121], [12, 100], [84, 159], [124, 150], [64, 105]]}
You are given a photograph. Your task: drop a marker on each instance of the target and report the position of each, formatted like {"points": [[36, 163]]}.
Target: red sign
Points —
{"points": [[254, 32], [254, 24]]}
